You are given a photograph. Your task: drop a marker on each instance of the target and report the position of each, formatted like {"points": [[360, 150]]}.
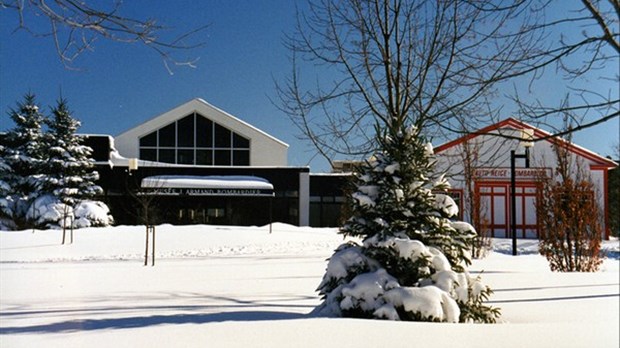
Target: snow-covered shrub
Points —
{"points": [[7, 224], [356, 285], [7, 206], [92, 214], [49, 212], [6, 213], [412, 262]]}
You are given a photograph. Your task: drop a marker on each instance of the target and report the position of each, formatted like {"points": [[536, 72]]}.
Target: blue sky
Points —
{"points": [[119, 86]]}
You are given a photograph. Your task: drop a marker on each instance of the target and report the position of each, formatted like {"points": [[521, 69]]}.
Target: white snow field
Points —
{"points": [[215, 286]]}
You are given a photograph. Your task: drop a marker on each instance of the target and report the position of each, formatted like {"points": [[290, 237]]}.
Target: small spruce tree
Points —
{"points": [[412, 262]]}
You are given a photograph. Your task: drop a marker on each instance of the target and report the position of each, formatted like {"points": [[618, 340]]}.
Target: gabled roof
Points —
{"points": [[205, 109], [538, 134]]}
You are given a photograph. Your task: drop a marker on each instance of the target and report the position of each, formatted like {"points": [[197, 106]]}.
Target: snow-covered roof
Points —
{"points": [[238, 182]]}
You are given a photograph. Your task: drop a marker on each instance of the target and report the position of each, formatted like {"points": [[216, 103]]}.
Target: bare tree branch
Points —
{"points": [[75, 26], [439, 65], [578, 59], [395, 62]]}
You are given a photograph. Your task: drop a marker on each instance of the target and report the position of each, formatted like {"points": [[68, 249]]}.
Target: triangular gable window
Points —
{"points": [[195, 139]]}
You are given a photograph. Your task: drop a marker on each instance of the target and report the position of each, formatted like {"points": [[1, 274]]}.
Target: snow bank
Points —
{"points": [[226, 286]]}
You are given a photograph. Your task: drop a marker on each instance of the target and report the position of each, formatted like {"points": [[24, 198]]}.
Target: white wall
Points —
{"points": [[265, 150], [494, 152]]}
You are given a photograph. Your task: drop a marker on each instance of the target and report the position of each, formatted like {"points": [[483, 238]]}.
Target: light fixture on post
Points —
{"points": [[527, 137], [132, 164]]}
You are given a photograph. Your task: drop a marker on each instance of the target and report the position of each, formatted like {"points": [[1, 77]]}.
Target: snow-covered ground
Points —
{"points": [[215, 286]]}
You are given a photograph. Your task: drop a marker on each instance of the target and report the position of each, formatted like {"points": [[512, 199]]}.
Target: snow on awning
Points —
{"points": [[234, 185]]}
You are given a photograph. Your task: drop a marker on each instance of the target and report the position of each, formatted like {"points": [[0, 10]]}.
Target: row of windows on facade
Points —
{"points": [[195, 139]]}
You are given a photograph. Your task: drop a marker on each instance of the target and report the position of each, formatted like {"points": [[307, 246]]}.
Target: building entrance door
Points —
{"points": [[495, 208]]}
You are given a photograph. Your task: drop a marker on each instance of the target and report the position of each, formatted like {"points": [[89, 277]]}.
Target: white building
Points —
{"points": [[198, 133], [489, 153]]}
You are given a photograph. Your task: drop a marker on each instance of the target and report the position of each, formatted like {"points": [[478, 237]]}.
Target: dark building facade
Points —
{"points": [[124, 193], [193, 164]]}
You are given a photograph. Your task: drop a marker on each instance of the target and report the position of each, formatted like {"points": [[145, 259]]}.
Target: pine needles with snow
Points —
{"points": [[412, 262]]}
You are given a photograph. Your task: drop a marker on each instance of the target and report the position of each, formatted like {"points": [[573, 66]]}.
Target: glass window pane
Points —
{"points": [[204, 132], [185, 131], [530, 210], [204, 157], [167, 135], [185, 156], [485, 210], [148, 154], [215, 212], [166, 155], [222, 157], [240, 142], [222, 136], [500, 233], [241, 157], [149, 140], [499, 212]]}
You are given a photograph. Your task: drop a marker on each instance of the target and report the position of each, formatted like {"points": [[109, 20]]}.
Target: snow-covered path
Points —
{"points": [[244, 287]]}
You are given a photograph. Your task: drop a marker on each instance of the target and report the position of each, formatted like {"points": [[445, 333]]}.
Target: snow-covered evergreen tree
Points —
{"points": [[71, 176], [47, 177], [23, 155], [412, 262]]}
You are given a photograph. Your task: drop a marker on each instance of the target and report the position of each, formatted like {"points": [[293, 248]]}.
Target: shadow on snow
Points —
{"points": [[146, 321]]}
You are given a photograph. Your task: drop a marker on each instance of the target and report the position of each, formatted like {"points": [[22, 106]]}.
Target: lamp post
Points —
{"points": [[526, 141], [132, 164]]}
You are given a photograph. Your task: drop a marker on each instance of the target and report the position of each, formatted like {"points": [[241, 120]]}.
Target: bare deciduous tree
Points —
{"points": [[568, 215], [74, 27], [580, 44], [437, 65], [473, 204], [431, 64]]}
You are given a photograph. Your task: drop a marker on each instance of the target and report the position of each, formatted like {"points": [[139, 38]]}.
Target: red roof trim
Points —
{"points": [[538, 133]]}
